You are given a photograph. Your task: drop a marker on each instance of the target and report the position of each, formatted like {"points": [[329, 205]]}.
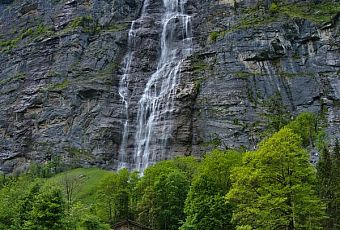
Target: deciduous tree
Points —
{"points": [[273, 189]]}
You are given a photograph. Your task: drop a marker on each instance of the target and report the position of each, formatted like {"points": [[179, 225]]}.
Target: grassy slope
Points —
{"points": [[86, 181]]}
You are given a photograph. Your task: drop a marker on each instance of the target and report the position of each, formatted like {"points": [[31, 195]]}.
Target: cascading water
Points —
{"points": [[124, 88], [156, 106]]}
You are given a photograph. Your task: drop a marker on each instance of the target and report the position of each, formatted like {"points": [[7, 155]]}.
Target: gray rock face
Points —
{"points": [[294, 60], [61, 63]]}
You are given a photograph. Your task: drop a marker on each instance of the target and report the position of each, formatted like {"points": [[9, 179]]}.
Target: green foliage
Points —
{"points": [[305, 125], [244, 227], [213, 36], [17, 77], [215, 141], [86, 23], [82, 217], [46, 170], [63, 201], [270, 188], [25, 205], [82, 21], [273, 8], [198, 64], [328, 171], [47, 211], [88, 186], [15, 200], [318, 13], [161, 192], [273, 189], [92, 222], [31, 33], [115, 27], [170, 192], [205, 207], [114, 196], [276, 113], [77, 155], [59, 86]]}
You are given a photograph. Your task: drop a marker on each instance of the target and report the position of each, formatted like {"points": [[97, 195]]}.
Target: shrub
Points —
{"points": [[273, 8]]}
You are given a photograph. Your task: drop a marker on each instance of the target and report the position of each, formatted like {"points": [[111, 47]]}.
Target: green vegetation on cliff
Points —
{"points": [[319, 13], [29, 33]]}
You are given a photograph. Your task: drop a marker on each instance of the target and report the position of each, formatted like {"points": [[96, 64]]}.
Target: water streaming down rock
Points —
{"points": [[88, 114], [124, 87], [155, 108]]}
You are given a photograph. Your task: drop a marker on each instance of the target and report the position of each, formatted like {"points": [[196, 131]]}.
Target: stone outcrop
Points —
{"points": [[61, 63]]}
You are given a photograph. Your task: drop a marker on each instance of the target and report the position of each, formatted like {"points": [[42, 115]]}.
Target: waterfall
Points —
{"points": [[124, 88], [156, 106]]}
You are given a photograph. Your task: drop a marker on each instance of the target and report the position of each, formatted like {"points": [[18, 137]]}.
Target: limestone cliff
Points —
{"points": [[61, 63]]}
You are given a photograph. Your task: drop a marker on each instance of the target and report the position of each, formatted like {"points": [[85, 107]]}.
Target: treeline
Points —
{"points": [[274, 187]]}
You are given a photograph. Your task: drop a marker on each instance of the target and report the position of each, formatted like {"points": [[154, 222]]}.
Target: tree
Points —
{"points": [[16, 201], [162, 191], [114, 196], [328, 171], [26, 203], [171, 191], [162, 203], [336, 178], [305, 126], [276, 113], [205, 206], [71, 184], [273, 189], [47, 212], [92, 222]]}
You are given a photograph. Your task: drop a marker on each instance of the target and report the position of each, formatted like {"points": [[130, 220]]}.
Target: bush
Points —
{"points": [[213, 36], [273, 8]]}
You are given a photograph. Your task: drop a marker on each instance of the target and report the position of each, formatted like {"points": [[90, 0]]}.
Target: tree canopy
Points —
{"points": [[273, 189]]}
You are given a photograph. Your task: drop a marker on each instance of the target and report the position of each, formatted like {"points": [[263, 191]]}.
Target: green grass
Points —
{"points": [[86, 23], [253, 17], [59, 86], [250, 21], [52, 73], [82, 21], [297, 74], [88, 181], [243, 74], [318, 13], [16, 77], [116, 27], [90, 25], [198, 63], [213, 36], [31, 33]]}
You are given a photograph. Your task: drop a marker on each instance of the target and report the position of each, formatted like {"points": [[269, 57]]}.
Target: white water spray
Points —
{"points": [[124, 87], [156, 106]]}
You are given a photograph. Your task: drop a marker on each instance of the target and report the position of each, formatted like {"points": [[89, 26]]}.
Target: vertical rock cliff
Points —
{"points": [[73, 75]]}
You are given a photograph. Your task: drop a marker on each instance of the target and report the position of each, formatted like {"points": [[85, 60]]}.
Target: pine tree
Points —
{"points": [[328, 171], [336, 185]]}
